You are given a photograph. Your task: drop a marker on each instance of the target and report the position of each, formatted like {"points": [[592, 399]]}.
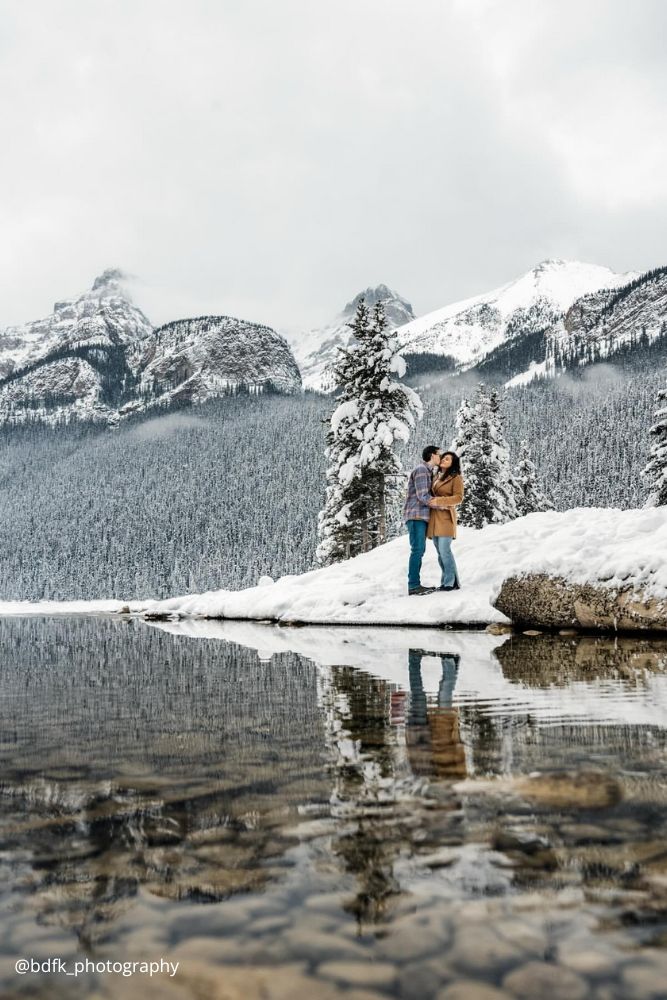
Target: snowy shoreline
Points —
{"points": [[606, 547]]}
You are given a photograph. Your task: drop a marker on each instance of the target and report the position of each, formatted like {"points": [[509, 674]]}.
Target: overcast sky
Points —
{"points": [[270, 158]]}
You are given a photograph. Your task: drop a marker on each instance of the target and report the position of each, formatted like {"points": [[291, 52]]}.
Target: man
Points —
{"points": [[416, 513]]}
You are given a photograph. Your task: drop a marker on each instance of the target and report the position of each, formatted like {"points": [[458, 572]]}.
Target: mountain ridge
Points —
{"points": [[469, 330], [500, 332], [98, 357]]}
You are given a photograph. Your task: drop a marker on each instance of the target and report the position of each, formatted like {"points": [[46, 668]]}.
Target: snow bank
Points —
{"points": [[603, 546], [587, 545]]}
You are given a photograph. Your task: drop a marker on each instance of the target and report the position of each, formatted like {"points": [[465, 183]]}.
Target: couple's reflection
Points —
{"points": [[371, 764], [432, 731]]}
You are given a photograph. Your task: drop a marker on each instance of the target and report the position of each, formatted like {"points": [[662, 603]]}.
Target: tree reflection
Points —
{"points": [[133, 759]]}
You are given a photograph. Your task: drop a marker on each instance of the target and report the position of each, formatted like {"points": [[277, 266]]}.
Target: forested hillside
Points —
{"points": [[217, 495], [193, 500]]}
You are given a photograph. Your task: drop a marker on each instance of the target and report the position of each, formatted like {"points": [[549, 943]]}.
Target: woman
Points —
{"points": [[447, 495]]}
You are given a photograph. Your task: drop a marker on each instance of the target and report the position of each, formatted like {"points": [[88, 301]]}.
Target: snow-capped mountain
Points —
{"points": [[104, 313], [98, 357], [315, 350], [622, 321], [76, 362], [469, 331]]}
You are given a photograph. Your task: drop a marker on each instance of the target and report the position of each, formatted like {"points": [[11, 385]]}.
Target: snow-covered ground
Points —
{"points": [[607, 546]]}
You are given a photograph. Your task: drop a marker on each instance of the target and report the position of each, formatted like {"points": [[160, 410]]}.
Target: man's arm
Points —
{"points": [[423, 481]]}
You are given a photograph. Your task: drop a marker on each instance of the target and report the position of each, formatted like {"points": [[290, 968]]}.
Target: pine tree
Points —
{"points": [[506, 484], [530, 497], [490, 493], [655, 471], [472, 444], [374, 412]]}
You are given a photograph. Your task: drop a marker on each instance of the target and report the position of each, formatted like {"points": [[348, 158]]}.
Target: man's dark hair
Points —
{"points": [[429, 452]]}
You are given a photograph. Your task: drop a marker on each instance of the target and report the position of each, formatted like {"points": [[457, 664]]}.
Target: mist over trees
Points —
{"points": [[218, 495]]}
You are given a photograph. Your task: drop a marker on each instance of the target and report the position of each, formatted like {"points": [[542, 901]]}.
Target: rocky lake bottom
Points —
{"points": [[330, 813]]}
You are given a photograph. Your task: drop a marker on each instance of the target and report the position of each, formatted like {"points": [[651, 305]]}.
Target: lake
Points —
{"points": [[330, 812]]}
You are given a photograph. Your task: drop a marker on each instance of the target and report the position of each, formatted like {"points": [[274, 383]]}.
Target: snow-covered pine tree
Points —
{"points": [[374, 412], [506, 484], [655, 471], [480, 443], [471, 443], [529, 497]]}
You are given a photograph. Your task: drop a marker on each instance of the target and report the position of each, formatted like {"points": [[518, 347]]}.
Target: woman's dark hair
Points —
{"points": [[429, 452], [455, 467]]}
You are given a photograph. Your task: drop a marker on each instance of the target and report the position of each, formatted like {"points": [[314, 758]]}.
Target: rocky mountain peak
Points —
{"points": [[111, 284], [398, 310], [316, 349], [550, 264], [112, 277]]}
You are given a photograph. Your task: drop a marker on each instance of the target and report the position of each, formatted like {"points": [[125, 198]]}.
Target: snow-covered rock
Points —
{"points": [[315, 349], [77, 361], [103, 313], [470, 330], [193, 359], [616, 550]]}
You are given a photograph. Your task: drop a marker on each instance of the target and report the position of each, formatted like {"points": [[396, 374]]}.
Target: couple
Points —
{"points": [[435, 489]]}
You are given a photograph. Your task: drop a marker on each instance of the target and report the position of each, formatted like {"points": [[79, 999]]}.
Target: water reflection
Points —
{"points": [[281, 782], [131, 758], [435, 748]]}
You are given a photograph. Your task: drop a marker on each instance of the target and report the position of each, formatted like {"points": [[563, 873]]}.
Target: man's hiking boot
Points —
{"points": [[417, 591]]}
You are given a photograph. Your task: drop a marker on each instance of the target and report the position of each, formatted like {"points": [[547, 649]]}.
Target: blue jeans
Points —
{"points": [[450, 576], [417, 536]]}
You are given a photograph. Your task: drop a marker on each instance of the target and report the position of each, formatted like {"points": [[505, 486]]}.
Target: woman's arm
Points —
{"points": [[444, 501]]}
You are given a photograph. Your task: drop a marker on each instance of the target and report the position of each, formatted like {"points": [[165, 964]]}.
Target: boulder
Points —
{"points": [[552, 602]]}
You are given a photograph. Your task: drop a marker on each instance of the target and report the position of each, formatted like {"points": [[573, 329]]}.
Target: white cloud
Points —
{"points": [[268, 160]]}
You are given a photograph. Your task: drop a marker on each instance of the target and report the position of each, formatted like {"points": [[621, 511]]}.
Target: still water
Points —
{"points": [[330, 813]]}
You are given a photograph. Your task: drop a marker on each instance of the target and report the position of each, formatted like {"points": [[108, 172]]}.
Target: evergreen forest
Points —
{"points": [[216, 496]]}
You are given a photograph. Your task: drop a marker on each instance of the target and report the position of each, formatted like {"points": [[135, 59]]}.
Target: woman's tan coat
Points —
{"points": [[443, 522]]}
